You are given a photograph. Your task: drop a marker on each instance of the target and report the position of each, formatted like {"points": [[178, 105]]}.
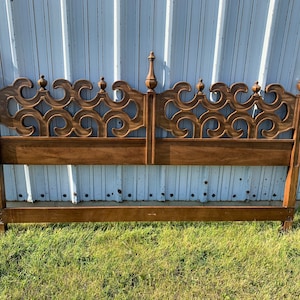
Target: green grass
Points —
{"points": [[150, 261]]}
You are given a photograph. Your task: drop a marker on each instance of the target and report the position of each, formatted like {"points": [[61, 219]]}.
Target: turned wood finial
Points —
{"points": [[200, 86], [102, 84], [42, 82], [256, 88], [151, 81]]}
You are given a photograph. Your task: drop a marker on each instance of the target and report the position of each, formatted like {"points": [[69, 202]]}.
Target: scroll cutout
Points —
{"points": [[58, 108], [224, 125]]}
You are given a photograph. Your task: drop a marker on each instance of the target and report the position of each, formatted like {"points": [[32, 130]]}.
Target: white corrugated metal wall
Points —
{"points": [[218, 40]]}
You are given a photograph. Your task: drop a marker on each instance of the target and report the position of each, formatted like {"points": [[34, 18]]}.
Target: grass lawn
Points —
{"points": [[150, 261]]}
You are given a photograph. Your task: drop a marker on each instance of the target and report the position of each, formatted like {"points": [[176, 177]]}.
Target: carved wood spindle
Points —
{"points": [[200, 86], [151, 81], [256, 88], [102, 85], [42, 82]]}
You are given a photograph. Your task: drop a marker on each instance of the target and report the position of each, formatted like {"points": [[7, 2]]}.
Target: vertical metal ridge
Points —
{"points": [[71, 170], [269, 32]]}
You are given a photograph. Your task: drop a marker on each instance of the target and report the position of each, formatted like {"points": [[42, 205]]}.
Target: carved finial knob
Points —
{"points": [[298, 85], [102, 84], [150, 81], [256, 88], [42, 82], [200, 86]]}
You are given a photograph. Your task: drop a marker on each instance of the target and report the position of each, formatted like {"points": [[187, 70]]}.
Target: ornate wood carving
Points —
{"points": [[58, 108], [245, 141], [225, 117], [226, 111]]}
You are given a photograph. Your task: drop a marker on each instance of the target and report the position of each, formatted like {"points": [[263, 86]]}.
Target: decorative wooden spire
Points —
{"points": [[151, 81], [102, 84], [200, 86], [42, 82], [256, 88]]}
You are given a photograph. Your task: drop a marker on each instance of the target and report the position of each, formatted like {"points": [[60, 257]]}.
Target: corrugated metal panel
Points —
{"points": [[226, 40]]}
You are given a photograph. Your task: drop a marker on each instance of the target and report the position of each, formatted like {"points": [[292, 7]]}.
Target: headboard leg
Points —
{"points": [[3, 226], [286, 226]]}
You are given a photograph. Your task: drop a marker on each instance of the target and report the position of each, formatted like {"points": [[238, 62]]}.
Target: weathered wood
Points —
{"points": [[76, 151], [223, 152], [145, 213]]}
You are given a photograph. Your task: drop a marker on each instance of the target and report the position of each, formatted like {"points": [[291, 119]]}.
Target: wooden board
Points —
{"points": [[145, 213]]}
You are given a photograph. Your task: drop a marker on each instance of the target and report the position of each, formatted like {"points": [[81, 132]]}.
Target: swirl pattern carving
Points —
{"points": [[72, 115], [226, 112], [58, 108]]}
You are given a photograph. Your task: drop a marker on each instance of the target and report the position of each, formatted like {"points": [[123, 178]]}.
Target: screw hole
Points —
{"points": [[129, 195], [20, 195], [64, 195], [192, 195], [42, 195], [107, 195], [86, 195]]}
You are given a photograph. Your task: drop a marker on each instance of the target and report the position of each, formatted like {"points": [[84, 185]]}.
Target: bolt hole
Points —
{"points": [[171, 195], [248, 192], [107, 195], [150, 195], [241, 179], [253, 195], [20, 195], [64, 195], [213, 195], [192, 195], [162, 194], [205, 182], [274, 195], [129, 195], [119, 191], [42, 195], [204, 194], [233, 196], [86, 195]]}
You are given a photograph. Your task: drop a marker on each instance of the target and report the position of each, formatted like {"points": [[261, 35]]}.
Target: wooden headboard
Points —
{"points": [[150, 129]]}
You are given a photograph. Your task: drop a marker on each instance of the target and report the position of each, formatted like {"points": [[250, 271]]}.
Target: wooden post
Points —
{"points": [[150, 109], [3, 226], [291, 183]]}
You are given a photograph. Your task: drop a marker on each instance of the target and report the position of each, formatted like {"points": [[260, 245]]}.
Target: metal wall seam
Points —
{"points": [[71, 170], [25, 172]]}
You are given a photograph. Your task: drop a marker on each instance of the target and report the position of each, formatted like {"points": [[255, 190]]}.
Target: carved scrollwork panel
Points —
{"points": [[59, 109], [225, 124]]}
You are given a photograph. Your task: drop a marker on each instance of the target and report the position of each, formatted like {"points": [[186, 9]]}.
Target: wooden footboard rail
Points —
{"points": [[155, 129]]}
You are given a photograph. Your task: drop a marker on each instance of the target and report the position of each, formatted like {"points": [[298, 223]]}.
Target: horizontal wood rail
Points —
{"points": [[145, 213], [110, 151], [150, 129]]}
